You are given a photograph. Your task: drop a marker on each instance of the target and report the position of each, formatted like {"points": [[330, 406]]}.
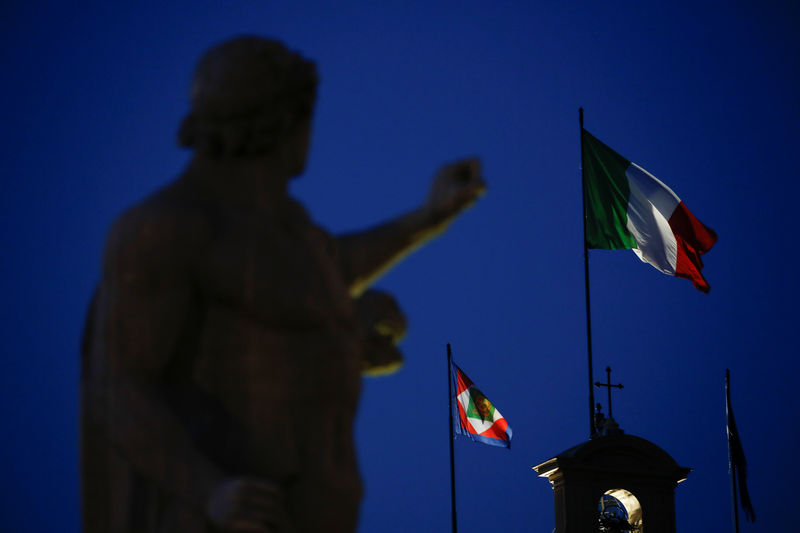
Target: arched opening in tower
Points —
{"points": [[619, 511]]}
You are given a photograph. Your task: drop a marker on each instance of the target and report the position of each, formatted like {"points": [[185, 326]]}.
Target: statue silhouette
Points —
{"points": [[225, 344]]}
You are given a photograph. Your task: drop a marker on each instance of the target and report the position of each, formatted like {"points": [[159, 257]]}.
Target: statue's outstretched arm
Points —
{"points": [[368, 254]]}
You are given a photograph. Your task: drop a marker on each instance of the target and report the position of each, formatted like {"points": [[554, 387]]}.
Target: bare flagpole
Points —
{"points": [[452, 438], [592, 428], [731, 466]]}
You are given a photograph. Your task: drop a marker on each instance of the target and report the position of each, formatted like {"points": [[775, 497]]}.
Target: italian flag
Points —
{"points": [[626, 207], [477, 417]]}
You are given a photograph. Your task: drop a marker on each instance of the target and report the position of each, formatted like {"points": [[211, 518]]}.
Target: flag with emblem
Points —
{"points": [[478, 419]]}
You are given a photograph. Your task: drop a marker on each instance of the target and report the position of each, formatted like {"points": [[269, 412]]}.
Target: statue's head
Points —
{"points": [[248, 96]]}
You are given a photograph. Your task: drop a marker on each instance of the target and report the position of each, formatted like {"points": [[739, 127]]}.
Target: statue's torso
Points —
{"points": [[279, 349], [278, 335], [273, 353]]}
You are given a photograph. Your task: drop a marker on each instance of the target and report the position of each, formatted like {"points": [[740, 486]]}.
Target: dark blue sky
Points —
{"points": [[703, 96]]}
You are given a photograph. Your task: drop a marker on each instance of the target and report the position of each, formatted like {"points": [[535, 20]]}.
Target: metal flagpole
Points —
{"points": [[592, 428], [731, 466], [452, 438]]}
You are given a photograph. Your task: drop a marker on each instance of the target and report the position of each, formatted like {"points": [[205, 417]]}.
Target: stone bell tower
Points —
{"points": [[613, 483]]}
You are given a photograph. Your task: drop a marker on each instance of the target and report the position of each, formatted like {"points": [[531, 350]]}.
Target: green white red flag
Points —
{"points": [[626, 207], [478, 419]]}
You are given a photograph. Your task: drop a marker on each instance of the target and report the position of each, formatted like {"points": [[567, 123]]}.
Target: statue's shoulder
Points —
{"points": [[165, 227]]}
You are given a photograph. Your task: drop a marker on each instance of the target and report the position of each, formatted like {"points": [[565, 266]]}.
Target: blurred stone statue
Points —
{"points": [[225, 344]]}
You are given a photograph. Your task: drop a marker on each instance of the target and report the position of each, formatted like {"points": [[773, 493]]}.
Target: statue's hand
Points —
{"points": [[456, 187], [247, 505], [378, 312], [383, 325]]}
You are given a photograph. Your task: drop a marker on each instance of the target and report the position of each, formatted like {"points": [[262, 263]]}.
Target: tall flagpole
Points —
{"points": [[452, 438], [731, 466], [592, 428]]}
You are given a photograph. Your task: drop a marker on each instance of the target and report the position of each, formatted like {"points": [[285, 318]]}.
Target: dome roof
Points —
{"points": [[616, 453]]}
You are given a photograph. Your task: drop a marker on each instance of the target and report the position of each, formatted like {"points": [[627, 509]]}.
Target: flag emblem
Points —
{"points": [[479, 405]]}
